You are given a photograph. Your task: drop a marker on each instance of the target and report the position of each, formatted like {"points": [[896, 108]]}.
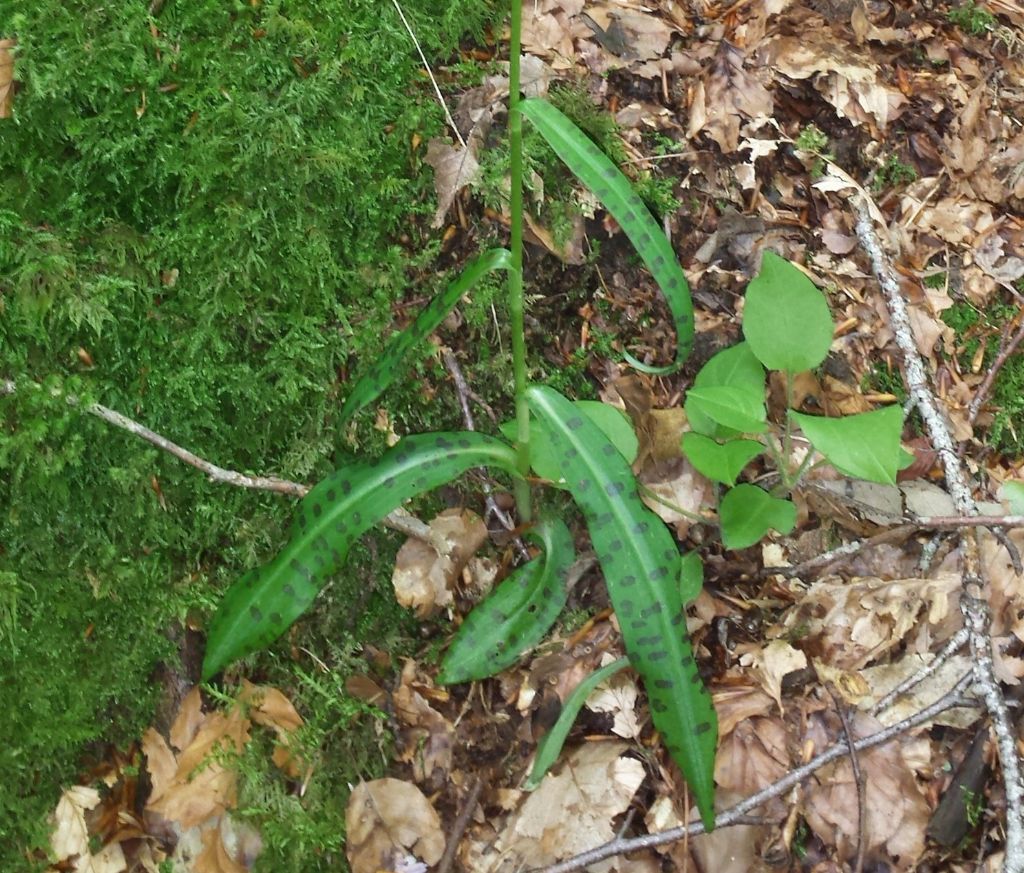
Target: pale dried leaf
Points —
{"points": [[7, 77], [771, 663], [71, 835], [385, 820], [422, 578], [573, 811], [455, 167]]}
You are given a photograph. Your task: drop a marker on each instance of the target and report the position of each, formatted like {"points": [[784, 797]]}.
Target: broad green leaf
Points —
{"points": [[264, 603], [734, 367], [866, 445], [691, 577], [614, 423], [786, 318], [1012, 493], [746, 513], [736, 408], [722, 462], [387, 367], [516, 615], [550, 745], [594, 169], [641, 566]]}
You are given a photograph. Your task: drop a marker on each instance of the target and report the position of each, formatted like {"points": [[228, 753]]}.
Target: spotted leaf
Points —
{"points": [[641, 565], [595, 170], [384, 370], [265, 602], [517, 614]]}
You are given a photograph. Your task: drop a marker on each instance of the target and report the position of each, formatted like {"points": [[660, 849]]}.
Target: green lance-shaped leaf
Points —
{"points": [[641, 566], [595, 170], [516, 615], [387, 367], [550, 745], [264, 603]]}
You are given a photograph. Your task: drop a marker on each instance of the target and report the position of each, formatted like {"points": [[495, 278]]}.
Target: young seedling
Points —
{"points": [[787, 327], [640, 559]]}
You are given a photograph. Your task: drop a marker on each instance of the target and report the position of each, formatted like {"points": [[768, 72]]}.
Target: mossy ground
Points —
{"points": [[205, 218]]}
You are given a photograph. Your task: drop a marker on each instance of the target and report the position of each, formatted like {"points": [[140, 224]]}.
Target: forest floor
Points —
{"points": [[750, 127]]}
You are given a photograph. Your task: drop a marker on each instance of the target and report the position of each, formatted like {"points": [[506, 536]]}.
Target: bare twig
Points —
{"points": [[399, 520], [459, 828], [858, 779], [953, 645], [430, 73], [990, 377], [972, 602], [735, 814]]}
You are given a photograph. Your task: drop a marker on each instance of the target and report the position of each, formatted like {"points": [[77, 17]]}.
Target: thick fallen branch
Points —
{"points": [[736, 814], [973, 604]]}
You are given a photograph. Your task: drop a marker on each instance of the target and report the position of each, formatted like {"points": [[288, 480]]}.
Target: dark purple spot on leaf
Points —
{"points": [[255, 614], [613, 489]]}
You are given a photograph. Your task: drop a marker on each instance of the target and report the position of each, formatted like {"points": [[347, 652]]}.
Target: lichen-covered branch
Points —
{"points": [[973, 604]]}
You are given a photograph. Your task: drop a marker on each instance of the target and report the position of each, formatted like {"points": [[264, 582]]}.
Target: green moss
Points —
{"points": [[972, 18], [974, 327], [200, 228]]}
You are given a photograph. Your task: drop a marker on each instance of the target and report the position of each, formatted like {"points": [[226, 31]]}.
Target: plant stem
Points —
{"points": [[515, 274], [787, 434]]}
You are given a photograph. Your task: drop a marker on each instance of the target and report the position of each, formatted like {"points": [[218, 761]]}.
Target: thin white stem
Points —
{"points": [[430, 73], [399, 520]]}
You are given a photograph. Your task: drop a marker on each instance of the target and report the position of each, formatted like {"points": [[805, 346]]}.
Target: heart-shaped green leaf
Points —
{"points": [[722, 462], [746, 513], [641, 566], [264, 603], [738, 409], [786, 318], [866, 445], [734, 367], [516, 615], [593, 168]]}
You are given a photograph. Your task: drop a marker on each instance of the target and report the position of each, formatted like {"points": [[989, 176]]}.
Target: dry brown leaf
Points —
{"points": [[160, 763], [573, 811], [850, 623], [897, 813], [618, 696], [423, 579], [455, 167], [770, 663], [7, 77], [214, 857], [425, 741], [884, 677], [730, 95], [386, 821], [752, 756], [275, 711], [189, 717]]}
